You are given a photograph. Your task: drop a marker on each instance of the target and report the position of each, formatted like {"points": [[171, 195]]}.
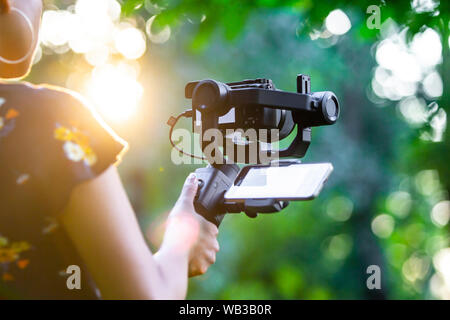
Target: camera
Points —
{"points": [[239, 122]]}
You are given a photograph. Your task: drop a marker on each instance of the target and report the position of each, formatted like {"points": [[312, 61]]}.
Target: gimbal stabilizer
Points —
{"points": [[257, 105]]}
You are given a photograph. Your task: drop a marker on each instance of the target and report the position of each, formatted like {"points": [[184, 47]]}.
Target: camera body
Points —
{"points": [[270, 115], [258, 105]]}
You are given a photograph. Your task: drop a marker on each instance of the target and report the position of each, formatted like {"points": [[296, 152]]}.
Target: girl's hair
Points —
{"points": [[4, 6]]}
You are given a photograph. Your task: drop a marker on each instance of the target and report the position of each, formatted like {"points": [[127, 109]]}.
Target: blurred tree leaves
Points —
{"points": [[320, 249], [307, 253], [231, 15]]}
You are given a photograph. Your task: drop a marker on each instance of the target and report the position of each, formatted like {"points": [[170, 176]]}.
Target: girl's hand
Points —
{"points": [[200, 235]]}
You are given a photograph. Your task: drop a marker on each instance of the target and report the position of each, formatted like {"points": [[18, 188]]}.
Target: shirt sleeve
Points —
{"points": [[59, 143]]}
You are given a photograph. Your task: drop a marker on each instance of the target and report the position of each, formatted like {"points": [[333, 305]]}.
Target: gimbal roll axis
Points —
{"points": [[255, 104]]}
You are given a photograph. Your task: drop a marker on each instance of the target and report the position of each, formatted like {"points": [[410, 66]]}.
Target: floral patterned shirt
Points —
{"points": [[49, 143]]}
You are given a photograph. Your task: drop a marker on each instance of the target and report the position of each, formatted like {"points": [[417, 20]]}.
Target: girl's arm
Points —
{"points": [[101, 223]]}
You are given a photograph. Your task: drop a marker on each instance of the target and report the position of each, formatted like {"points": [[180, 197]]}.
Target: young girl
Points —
{"points": [[63, 210]]}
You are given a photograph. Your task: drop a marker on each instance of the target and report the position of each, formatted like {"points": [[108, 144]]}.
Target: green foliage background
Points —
{"points": [[304, 252]]}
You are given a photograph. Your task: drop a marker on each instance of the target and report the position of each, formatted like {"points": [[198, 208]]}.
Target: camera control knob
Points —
{"points": [[209, 95], [327, 106]]}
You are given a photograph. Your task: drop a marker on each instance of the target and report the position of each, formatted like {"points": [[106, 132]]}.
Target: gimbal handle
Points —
{"points": [[209, 202]]}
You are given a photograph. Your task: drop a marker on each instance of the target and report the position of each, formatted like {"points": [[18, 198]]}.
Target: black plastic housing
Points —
{"points": [[213, 183]]}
